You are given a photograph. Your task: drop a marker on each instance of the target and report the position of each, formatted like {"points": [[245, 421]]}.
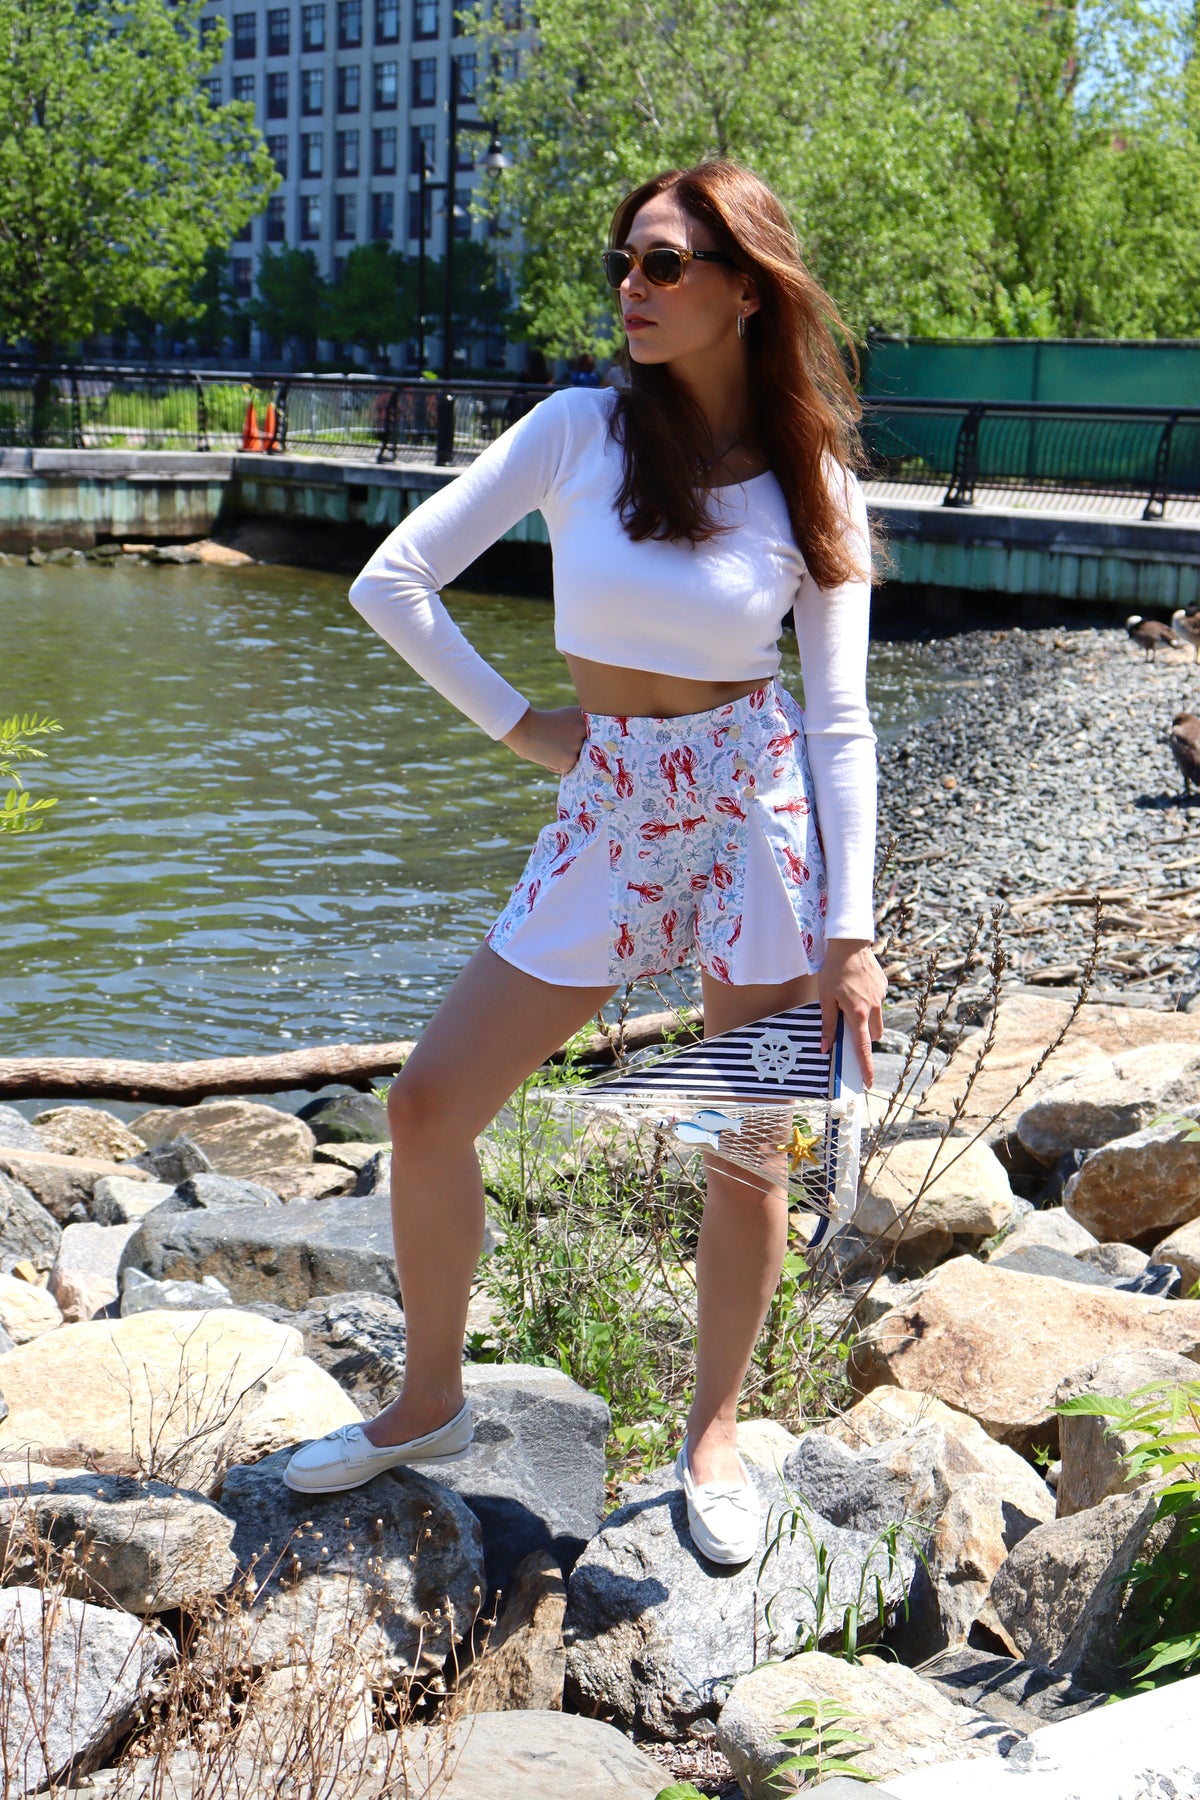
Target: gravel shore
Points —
{"points": [[1047, 781]]}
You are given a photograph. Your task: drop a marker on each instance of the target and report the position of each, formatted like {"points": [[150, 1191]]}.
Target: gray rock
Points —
{"points": [[656, 1636], [359, 1338], [1139, 1186], [533, 1756], [213, 1193], [16, 1133], [1015, 1693], [1040, 1259], [141, 1546], [375, 1175], [282, 1254], [1121, 1261], [1111, 1097], [6, 1343], [70, 1683], [398, 1562], [1157, 1278], [63, 1184], [534, 1476], [1053, 1227], [118, 1201], [28, 1233], [347, 1119], [1092, 1447], [904, 1480], [139, 1293], [175, 1160], [84, 1277]]}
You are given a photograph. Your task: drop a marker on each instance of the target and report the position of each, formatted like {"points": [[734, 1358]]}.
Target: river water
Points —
{"points": [[270, 834]]}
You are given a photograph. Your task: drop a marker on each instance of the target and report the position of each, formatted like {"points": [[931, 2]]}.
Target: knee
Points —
{"points": [[414, 1104]]}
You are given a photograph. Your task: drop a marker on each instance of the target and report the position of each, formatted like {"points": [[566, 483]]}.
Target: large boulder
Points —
{"points": [[210, 1192], [1092, 1447], [1052, 1229], [174, 1160], [28, 1233], [904, 1480], [1041, 1259], [524, 1663], [970, 1539], [26, 1311], [656, 1636], [991, 1343], [178, 1394], [84, 1277], [72, 1679], [117, 1200], [1122, 1262], [239, 1137], [145, 1547], [1111, 1098], [64, 1185], [139, 1293], [313, 1181], [1015, 1693], [16, 1133], [87, 1131], [964, 1193], [359, 1338], [907, 1723], [396, 1564], [1138, 1186], [1182, 1249], [347, 1119], [530, 1755], [282, 1254]]}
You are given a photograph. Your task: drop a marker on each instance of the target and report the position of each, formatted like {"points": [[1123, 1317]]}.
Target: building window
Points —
{"points": [[347, 153], [312, 153], [245, 38], [349, 88], [349, 24], [421, 137], [211, 84], [243, 88], [246, 234], [383, 215], [510, 14], [275, 219], [462, 212], [425, 18], [383, 150], [459, 18], [387, 21], [242, 277], [510, 63], [424, 81], [387, 86], [312, 27], [310, 217], [466, 77], [277, 148], [414, 214], [277, 95], [207, 28], [312, 91], [279, 31], [347, 215]]}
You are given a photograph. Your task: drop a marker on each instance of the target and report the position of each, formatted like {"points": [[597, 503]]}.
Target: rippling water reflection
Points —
{"points": [[270, 833]]}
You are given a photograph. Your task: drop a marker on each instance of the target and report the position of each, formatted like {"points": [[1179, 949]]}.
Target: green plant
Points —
{"points": [[16, 815], [823, 1737], [873, 1578], [1189, 1127], [1161, 1630]]}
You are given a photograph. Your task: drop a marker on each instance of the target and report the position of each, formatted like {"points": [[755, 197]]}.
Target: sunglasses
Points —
{"points": [[662, 267]]}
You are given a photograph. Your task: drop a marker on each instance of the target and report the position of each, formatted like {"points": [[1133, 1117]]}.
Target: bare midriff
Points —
{"points": [[638, 693]]}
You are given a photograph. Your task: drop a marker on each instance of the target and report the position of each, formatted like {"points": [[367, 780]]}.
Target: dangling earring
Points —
{"points": [[741, 325]]}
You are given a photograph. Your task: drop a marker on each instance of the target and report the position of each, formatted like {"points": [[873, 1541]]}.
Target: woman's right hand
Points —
{"points": [[553, 739]]}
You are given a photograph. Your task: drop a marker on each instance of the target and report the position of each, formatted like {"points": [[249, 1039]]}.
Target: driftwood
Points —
{"points": [[184, 1083]]}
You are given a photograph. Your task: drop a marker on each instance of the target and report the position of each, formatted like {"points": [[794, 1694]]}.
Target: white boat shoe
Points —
{"points": [[346, 1458], [723, 1516]]}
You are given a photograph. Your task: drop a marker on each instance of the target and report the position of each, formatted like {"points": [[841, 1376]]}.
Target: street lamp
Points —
{"points": [[494, 160]]}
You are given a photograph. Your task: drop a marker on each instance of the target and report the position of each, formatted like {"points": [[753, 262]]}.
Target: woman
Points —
{"points": [[687, 512]]}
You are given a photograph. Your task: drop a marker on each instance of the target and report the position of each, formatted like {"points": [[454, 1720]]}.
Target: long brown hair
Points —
{"points": [[804, 406]]}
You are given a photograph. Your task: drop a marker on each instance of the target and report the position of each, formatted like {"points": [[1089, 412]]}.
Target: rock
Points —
{"points": [[1156, 1278], [404, 1575], [1054, 1229], [16, 1133], [1138, 1186], [87, 1131], [71, 1678], [903, 1480], [1012, 1692], [315, 1183], [1121, 1261], [656, 1636], [967, 1197], [908, 1723], [1182, 1249], [173, 1393], [765, 1442], [1041, 1259], [118, 1201], [1092, 1446], [238, 1136], [26, 1311], [347, 1119], [64, 1185], [1060, 1594], [1111, 1098], [358, 1338], [375, 1175], [207, 1192], [533, 1755], [282, 1254], [970, 1539], [991, 1343], [27, 1230], [534, 1476], [345, 1156], [174, 1160], [142, 1546], [140, 1294], [84, 1277], [524, 1663]]}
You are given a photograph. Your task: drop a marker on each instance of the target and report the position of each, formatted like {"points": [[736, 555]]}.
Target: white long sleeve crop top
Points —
{"points": [[711, 611]]}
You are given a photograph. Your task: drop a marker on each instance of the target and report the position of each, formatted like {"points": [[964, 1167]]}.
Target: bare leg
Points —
{"points": [[743, 1237], [494, 1027]]}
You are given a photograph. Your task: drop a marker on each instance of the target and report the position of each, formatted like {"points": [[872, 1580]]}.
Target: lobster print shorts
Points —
{"points": [[672, 834]]}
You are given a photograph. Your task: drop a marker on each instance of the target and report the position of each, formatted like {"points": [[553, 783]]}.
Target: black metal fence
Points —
{"points": [[1147, 453]]}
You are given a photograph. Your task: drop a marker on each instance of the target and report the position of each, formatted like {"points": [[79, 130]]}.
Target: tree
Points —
{"points": [[291, 297], [115, 175], [374, 301]]}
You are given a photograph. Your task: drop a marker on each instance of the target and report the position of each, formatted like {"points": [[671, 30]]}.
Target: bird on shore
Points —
{"points": [[1186, 624], [1184, 739], [1151, 634]]}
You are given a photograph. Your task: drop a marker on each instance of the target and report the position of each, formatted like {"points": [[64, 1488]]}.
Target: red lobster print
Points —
{"points": [[622, 782], [670, 772], [599, 761], [685, 759], [689, 826], [699, 884], [625, 943], [584, 819], [722, 876], [562, 842], [758, 699], [797, 867], [623, 721], [798, 808], [730, 807], [779, 746], [562, 867], [535, 888], [614, 853], [655, 830], [736, 933], [649, 890], [720, 969], [670, 924]]}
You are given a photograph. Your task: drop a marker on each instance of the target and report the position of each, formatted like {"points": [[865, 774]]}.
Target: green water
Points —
{"points": [[270, 833]]}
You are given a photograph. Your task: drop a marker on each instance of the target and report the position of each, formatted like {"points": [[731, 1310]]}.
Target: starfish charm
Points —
{"points": [[800, 1146]]}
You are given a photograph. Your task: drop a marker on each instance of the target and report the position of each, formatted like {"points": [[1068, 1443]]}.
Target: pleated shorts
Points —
{"points": [[673, 837]]}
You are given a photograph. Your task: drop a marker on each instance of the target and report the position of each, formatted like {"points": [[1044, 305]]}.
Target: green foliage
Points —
{"points": [[986, 168], [116, 177], [873, 1574], [823, 1738], [291, 296], [1161, 1641], [1189, 1127], [374, 303], [18, 810]]}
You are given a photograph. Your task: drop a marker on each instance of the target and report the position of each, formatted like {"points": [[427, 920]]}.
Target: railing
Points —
{"points": [[1151, 454]]}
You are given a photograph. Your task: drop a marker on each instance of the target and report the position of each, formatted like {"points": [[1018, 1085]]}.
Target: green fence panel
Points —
{"points": [[1066, 370]]}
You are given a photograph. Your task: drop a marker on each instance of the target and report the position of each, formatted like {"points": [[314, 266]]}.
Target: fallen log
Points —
{"points": [[186, 1083]]}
